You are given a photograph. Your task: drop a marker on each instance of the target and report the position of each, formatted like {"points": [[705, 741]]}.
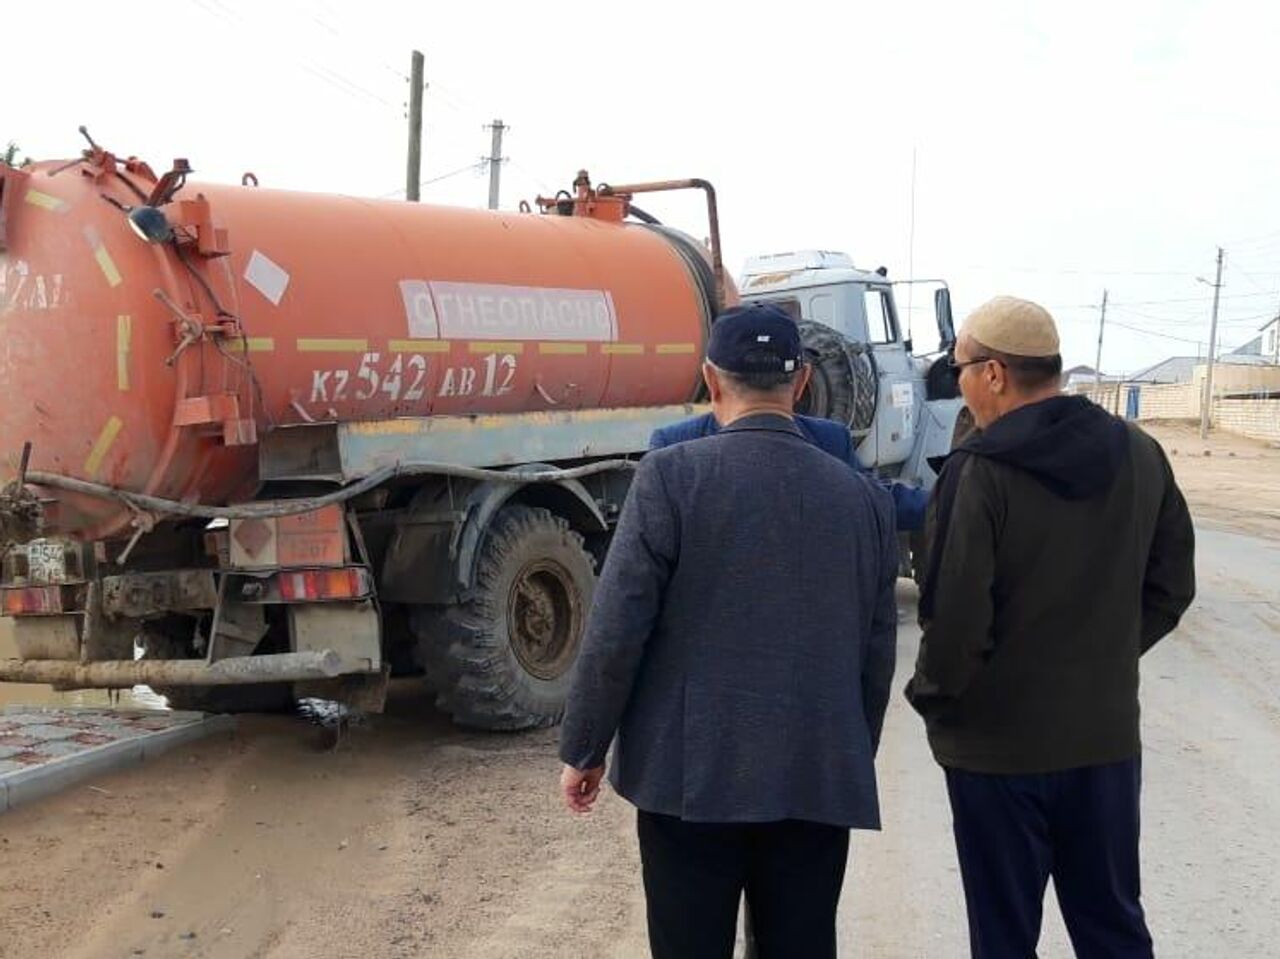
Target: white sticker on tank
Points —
{"points": [[903, 395], [492, 311], [420, 310], [267, 277]]}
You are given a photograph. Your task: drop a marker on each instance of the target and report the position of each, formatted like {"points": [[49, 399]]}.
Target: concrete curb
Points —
{"points": [[37, 782]]}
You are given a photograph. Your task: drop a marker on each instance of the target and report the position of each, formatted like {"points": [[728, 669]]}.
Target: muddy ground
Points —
{"points": [[415, 839]]}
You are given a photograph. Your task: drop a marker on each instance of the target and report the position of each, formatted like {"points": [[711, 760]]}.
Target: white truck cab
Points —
{"points": [[900, 407]]}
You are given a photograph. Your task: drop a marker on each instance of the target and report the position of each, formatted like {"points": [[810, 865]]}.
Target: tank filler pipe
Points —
{"points": [[713, 215], [269, 509]]}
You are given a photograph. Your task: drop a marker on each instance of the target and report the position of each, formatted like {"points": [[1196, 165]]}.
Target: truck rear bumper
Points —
{"points": [[118, 674]]}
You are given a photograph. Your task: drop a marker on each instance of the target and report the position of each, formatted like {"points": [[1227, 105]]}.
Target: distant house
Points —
{"points": [[1181, 369], [1266, 344], [1083, 376]]}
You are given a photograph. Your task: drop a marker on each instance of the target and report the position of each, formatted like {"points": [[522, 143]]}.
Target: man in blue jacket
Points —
{"points": [[909, 502], [740, 646]]}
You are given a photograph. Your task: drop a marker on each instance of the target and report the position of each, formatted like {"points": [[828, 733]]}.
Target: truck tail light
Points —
{"points": [[32, 600], [317, 584]]}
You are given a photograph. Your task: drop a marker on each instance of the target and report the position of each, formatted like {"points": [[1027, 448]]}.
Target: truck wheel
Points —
{"points": [[502, 660], [843, 386]]}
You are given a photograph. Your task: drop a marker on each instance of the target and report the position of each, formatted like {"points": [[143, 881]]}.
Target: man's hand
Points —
{"points": [[581, 787]]}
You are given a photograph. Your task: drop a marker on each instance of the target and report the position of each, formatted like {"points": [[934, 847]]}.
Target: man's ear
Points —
{"points": [[801, 382], [714, 387], [997, 377]]}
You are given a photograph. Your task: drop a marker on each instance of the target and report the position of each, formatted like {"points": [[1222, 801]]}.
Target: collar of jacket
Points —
{"points": [[768, 422]]}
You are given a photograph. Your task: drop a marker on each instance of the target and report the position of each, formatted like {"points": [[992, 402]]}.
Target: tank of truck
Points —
{"points": [[151, 328]]}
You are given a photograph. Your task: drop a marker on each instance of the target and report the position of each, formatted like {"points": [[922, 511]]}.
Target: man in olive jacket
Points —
{"points": [[1063, 552]]}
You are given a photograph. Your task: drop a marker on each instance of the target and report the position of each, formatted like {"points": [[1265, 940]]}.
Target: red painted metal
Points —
{"points": [[155, 367]]}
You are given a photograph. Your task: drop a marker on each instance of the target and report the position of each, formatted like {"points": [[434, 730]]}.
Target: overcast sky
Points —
{"points": [[1061, 148]]}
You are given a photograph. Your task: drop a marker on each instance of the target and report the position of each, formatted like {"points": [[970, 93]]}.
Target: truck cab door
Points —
{"points": [[893, 434]]}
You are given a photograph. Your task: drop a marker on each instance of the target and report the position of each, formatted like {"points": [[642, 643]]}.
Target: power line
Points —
{"points": [[1196, 299], [1155, 333], [474, 165], [1270, 236], [1191, 321], [346, 39], [532, 175], [1079, 272], [338, 81]]}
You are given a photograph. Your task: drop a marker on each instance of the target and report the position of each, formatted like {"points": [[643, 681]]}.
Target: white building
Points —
{"points": [[1266, 344]]}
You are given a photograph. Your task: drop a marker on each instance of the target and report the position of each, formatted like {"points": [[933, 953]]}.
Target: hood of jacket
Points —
{"points": [[1071, 445]]}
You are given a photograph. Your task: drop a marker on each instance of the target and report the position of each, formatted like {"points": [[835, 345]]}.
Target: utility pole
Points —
{"points": [[1207, 398], [1102, 324], [413, 176], [495, 162]]}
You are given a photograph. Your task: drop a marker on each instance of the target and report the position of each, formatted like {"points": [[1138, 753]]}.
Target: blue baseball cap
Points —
{"points": [[755, 338]]}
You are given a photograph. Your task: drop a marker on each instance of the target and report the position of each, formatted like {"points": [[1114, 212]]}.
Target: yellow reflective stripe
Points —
{"points": [[254, 344], [622, 349], [322, 345], [563, 349], [107, 265], [496, 346], [124, 337], [102, 446], [45, 202], [666, 349], [419, 346]]}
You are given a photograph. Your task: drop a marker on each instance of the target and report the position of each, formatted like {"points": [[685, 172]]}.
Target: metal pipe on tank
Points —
{"points": [[713, 215]]}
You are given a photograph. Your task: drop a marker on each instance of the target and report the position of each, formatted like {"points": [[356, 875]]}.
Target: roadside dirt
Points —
{"points": [[409, 839], [1229, 480]]}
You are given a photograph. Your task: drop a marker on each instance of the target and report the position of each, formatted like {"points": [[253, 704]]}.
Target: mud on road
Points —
{"points": [[410, 839]]}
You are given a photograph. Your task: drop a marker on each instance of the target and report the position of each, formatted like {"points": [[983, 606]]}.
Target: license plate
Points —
{"points": [[47, 562]]}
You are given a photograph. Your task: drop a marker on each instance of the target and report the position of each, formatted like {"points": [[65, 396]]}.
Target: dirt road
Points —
{"points": [[409, 839], [1230, 481], [416, 839]]}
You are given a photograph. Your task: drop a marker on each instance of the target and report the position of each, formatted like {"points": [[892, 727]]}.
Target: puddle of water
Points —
{"points": [[24, 694]]}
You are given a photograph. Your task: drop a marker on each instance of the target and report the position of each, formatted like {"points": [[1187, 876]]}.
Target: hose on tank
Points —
{"points": [[269, 509]]}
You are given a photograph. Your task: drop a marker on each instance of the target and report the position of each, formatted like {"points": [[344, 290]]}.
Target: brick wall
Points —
{"points": [[1257, 418], [1175, 401]]}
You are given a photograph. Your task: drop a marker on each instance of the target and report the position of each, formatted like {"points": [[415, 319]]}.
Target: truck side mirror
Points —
{"points": [[942, 310]]}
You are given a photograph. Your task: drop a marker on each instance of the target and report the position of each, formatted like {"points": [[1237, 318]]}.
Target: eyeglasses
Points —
{"points": [[951, 362]]}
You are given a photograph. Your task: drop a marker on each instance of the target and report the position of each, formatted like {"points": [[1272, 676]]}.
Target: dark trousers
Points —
{"points": [[1080, 827], [695, 875]]}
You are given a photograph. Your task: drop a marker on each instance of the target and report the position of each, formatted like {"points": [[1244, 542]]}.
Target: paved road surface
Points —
{"points": [[1211, 841]]}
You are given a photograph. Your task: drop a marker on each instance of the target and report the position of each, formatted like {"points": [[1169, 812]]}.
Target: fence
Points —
{"points": [[1258, 417]]}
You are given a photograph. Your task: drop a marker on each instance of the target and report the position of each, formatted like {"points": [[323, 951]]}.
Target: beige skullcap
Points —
{"points": [[1013, 326]]}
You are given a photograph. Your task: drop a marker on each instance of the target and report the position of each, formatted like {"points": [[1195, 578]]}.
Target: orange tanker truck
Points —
{"points": [[258, 444]]}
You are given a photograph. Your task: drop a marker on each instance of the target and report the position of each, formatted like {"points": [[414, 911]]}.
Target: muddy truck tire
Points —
{"points": [[502, 660], [843, 386]]}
